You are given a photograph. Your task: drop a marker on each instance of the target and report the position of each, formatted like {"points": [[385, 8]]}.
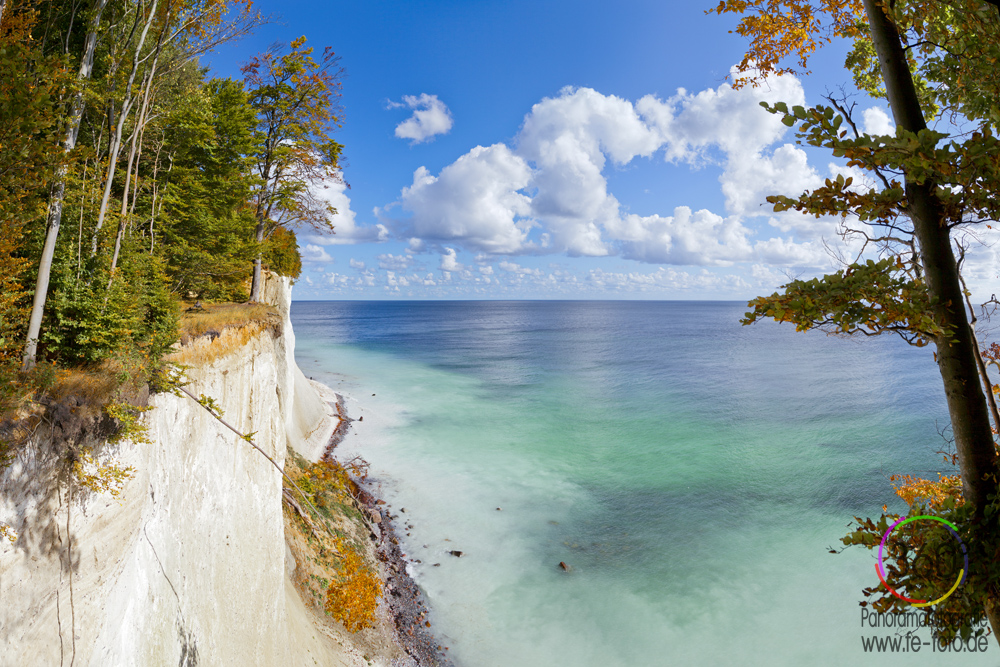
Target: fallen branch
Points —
{"points": [[294, 504]]}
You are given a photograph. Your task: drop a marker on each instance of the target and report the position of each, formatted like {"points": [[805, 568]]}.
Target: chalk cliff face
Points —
{"points": [[189, 566]]}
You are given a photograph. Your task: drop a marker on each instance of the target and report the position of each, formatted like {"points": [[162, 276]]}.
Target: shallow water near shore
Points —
{"points": [[693, 473]]}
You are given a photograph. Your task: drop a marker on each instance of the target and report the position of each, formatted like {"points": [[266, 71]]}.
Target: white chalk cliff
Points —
{"points": [[189, 566]]}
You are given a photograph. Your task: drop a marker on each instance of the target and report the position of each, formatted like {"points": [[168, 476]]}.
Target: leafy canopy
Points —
{"points": [[296, 99]]}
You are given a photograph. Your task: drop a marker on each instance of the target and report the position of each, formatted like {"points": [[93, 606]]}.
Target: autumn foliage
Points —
{"points": [[353, 597], [335, 571], [777, 30]]}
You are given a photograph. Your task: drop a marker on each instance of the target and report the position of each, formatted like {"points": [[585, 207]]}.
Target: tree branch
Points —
{"points": [[254, 445]]}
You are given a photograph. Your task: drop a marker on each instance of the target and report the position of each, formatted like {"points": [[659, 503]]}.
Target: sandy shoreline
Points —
{"points": [[403, 599]]}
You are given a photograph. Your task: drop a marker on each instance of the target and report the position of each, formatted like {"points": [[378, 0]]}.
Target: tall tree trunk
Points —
{"points": [[156, 189], [79, 233], [255, 285], [116, 140], [140, 123], [956, 352], [152, 213], [53, 217], [265, 202], [136, 138]]}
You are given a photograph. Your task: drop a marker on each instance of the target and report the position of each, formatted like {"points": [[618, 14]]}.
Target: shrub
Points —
{"points": [[353, 599]]}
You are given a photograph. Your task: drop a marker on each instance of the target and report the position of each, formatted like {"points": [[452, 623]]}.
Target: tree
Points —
{"points": [[31, 84], [54, 215], [956, 347], [189, 27], [297, 103], [208, 223], [917, 54]]}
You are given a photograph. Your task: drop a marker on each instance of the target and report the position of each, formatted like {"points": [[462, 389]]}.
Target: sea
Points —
{"points": [[693, 474]]}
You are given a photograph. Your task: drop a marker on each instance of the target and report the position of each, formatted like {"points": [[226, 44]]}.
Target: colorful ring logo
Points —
{"points": [[879, 569]]}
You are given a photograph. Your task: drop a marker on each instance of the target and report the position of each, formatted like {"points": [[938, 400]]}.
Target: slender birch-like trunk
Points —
{"points": [[57, 193], [156, 192], [116, 140], [136, 138], [264, 205], [257, 262]]}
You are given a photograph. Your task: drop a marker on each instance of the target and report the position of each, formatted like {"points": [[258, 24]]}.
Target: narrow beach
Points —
{"points": [[402, 599]]}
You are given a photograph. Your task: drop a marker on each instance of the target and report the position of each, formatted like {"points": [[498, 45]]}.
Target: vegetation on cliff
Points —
{"points": [[130, 182], [334, 570]]}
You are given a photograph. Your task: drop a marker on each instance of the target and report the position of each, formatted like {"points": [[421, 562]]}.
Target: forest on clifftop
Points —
{"points": [[131, 180]]}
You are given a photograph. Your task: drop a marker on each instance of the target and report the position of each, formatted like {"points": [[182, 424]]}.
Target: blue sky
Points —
{"points": [[555, 150]]}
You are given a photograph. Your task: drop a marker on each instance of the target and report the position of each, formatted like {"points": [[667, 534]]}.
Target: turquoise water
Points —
{"points": [[692, 472]]}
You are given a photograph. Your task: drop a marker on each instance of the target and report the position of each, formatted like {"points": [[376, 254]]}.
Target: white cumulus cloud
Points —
{"points": [[475, 200], [547, 190], [449, 261], [567, 138], [394, 262], [515, 268], [728, 119], [430, 118], [314, 253], [345, 226], [686, 237], [876, 121]]}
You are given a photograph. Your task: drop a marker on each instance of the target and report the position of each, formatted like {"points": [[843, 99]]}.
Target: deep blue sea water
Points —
{"points": [[694, 473]]}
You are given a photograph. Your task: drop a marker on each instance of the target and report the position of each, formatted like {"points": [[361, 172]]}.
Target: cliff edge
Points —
{"points": [[188, 566]]}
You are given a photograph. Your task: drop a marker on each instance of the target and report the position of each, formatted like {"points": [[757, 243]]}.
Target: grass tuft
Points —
{"points": [[216, 317], [221, 329]]}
